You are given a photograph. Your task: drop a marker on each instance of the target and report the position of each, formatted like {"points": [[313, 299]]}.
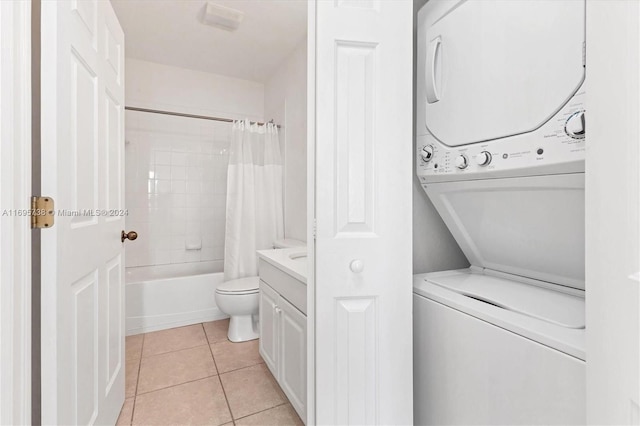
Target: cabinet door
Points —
{"points": [[269, 338], [293, 356]]}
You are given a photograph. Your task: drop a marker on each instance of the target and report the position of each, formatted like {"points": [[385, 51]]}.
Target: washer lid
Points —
{"points": [[527, 226], [241, 285], [493, 69], [547, 305]]}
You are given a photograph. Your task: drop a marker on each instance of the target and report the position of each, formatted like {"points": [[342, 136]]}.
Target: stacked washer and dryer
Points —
{"points": [[500, 153]]}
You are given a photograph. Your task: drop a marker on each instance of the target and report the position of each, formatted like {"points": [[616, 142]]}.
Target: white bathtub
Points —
{"points": [[166, 296]]}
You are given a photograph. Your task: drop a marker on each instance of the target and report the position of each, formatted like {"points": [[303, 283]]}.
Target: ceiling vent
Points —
{"points": [[222, 17]]}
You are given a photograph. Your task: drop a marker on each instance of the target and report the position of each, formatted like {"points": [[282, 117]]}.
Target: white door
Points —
{"points": [[363, 177], [613, 213], [82, 255]]}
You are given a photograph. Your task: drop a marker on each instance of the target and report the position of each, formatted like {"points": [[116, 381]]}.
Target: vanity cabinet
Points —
{"points": [[283, 345]]}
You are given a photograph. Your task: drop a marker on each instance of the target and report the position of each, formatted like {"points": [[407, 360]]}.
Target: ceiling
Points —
{"points": [[170, 32]]}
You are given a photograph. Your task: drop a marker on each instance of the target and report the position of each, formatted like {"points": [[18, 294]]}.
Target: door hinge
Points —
{"points": [[42, 212], [584, 54]]}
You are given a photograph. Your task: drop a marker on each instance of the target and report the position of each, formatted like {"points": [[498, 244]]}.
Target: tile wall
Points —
{"points": [[176, 180]]}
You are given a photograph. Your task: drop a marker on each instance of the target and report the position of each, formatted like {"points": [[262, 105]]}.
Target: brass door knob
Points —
{"points": [[131, 235]]}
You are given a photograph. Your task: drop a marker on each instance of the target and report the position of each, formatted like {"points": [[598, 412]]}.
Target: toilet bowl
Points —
{"points": [[239, 299]]}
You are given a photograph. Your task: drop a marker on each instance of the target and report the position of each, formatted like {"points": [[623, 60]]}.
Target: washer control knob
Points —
{"points": [[462, 162], [575, 125], [483, 159], [427, 153]]}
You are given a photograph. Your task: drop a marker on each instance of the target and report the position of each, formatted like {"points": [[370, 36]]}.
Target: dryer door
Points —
{"points": [[492, 69]]}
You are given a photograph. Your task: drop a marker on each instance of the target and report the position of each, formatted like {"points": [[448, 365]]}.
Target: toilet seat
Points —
{"points": [[249, 285]]}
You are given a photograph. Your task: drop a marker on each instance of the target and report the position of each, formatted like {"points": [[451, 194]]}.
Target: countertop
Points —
{"points": [[282, 259]]}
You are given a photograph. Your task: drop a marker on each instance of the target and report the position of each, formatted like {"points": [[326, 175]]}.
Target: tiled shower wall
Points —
{"points": [[176, 180]]}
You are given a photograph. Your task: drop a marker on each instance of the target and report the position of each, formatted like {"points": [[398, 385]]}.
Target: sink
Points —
{"points": [[298, 256]]}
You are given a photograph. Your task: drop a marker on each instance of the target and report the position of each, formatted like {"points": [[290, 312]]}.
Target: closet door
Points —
{"points": [[362, 284]]}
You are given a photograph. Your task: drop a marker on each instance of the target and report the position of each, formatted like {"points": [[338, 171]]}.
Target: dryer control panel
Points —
{"points": [[558, 146]]}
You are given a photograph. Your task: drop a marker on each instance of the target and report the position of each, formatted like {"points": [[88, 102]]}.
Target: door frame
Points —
{"points": [[611, 196], [311, 212], [15, 192]]}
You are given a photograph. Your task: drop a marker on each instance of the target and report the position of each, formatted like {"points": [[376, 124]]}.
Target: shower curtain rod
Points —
{"points": [[180, 114]]}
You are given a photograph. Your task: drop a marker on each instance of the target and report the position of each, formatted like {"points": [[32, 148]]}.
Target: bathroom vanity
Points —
{"points": [[283, 320]]}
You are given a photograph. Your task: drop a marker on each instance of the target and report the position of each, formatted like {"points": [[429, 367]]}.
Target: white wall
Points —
{"points": [[286, 102], [151, 85], [434, 249], [175, 167]]}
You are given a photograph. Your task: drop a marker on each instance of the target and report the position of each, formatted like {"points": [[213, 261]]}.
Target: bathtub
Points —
{"points": [[167, 296]]}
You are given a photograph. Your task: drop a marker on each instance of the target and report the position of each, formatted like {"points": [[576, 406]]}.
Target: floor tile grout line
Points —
{"points": [[266, 409], [241, 368], [139, 367], [135, 394], [177, 384], [190, 347], [177, 350], [219, 379]]}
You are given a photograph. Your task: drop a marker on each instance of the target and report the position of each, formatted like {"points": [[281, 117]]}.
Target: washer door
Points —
{"points": [[498, 68]]}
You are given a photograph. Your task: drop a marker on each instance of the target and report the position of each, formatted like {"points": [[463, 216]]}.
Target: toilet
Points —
{"points": [[240, 298]]}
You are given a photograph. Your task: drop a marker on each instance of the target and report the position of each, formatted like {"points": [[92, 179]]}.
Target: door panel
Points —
{"points": [[85, 348], [363, 153], [293, 356], [114, 320], [82, 169], [269, 326]]}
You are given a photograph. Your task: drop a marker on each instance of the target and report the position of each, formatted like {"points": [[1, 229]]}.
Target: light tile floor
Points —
{"points": [[194, 375]]}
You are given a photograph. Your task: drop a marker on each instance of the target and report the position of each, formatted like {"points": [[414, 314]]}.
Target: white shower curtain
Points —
{"points": [[254, 217]]}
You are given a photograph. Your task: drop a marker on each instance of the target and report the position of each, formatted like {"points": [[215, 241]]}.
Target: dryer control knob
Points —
{"points": [[427, 153], [462, 162], [483, 159], [575, 125]]}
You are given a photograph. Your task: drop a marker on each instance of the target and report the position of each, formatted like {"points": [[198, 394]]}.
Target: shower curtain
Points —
{"points": [[254, 216]]}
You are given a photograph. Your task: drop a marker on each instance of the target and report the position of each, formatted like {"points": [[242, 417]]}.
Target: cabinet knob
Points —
{"points": [[356, 266], [278, 310]]}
